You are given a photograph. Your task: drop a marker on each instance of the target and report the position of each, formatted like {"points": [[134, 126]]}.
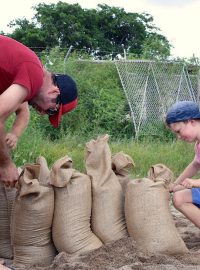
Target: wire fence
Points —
{"points": [[152, 87]]}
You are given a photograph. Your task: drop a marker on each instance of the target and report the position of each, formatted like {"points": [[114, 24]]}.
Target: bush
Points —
{"points": [[102, 106]]}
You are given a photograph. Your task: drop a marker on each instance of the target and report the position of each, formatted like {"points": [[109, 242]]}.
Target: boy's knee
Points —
{"points": [[177, 200]]}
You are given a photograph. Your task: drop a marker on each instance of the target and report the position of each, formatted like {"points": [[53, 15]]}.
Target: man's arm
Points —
{"points": [[10, 100], [19, 125]]}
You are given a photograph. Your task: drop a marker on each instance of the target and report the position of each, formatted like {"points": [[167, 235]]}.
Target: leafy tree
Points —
{"points": [[27, 33], [156, 47], [105, 31], [120, 30]]}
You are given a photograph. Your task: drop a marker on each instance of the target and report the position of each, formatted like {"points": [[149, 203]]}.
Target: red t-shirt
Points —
{"points": [[19, 65]]}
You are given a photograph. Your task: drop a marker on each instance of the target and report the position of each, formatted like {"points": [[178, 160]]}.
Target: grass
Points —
{"points": [[175, 155]]}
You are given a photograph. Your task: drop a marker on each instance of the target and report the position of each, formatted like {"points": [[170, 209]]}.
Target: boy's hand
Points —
{"points": [[190, 183], [171, 187], [11, 140], [187, 183]]}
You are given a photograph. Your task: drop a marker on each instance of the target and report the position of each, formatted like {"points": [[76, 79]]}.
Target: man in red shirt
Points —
{"points": [[23, 78]]}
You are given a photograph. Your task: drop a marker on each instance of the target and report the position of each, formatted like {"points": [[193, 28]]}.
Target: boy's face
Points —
{"points": [[188, 131]]}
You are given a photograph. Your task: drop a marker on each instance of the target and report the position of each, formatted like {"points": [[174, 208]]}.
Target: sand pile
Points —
{"points": [[125, 255]]}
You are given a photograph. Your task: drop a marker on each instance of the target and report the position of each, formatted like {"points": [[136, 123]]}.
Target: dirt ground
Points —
{"points": [[124, 254]]}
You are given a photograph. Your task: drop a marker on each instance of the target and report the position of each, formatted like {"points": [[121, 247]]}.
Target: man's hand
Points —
{"points": [[9, 175], [11, 140]]}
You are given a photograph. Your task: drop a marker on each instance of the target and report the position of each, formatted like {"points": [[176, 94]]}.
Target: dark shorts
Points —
{"points": [[196, 196]]}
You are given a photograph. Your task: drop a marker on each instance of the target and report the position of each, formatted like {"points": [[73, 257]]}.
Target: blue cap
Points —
{"points": [[68, 97], [182, 111]]}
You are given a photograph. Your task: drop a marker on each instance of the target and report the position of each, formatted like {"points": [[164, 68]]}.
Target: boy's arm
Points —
{"points": [[19, 125], [190, 171]]}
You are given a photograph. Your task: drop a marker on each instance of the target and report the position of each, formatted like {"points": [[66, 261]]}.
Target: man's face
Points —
{"points": [[37, 108], [48, 101], [54, 110]]}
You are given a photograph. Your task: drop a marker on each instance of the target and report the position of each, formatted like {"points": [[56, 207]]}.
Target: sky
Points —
{"points": [[178, 20]]}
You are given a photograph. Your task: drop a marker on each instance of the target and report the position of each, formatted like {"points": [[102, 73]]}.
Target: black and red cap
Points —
{"points": [[68, 97]]}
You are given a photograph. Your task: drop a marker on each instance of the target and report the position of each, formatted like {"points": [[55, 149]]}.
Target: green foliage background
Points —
{"points": [[102, 109], [102, 106]]}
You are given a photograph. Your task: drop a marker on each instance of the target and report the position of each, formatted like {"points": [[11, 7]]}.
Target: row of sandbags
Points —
{"points": [[66, 210]]}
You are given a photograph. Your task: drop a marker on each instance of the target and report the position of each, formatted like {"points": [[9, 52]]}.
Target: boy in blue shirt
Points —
{"points": [[183, 118]]}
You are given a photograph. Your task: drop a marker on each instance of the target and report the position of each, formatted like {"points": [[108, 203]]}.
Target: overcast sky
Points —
{"points": [[179, 20]]}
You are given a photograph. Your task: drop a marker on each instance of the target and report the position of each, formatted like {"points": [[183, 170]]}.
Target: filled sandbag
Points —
{"points": [[108, 221], [7, 197], [148, 217], [160, 172], [32, 218], [121, 165], [44, 172], [71, 229]]}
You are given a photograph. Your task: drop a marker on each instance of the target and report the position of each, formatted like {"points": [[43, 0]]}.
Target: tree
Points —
{"points": [[156, 47], [105, 31], [27, 33]]}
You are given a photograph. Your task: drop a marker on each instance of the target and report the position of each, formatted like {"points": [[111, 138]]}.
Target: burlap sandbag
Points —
{"points": [[71, 223], [7, 197], [108, 221], [44, 172], [121, 165], [148, 217], [32, 219], [160, 172]]}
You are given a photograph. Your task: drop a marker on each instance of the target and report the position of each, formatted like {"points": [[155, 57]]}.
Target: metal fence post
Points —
{"points": [[66, 57]]}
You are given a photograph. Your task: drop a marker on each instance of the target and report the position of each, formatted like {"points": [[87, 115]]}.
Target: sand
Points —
{"points": [[125, 255]]}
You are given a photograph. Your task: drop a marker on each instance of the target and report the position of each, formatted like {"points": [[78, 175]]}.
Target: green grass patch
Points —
{"points": [[175, 154]]}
